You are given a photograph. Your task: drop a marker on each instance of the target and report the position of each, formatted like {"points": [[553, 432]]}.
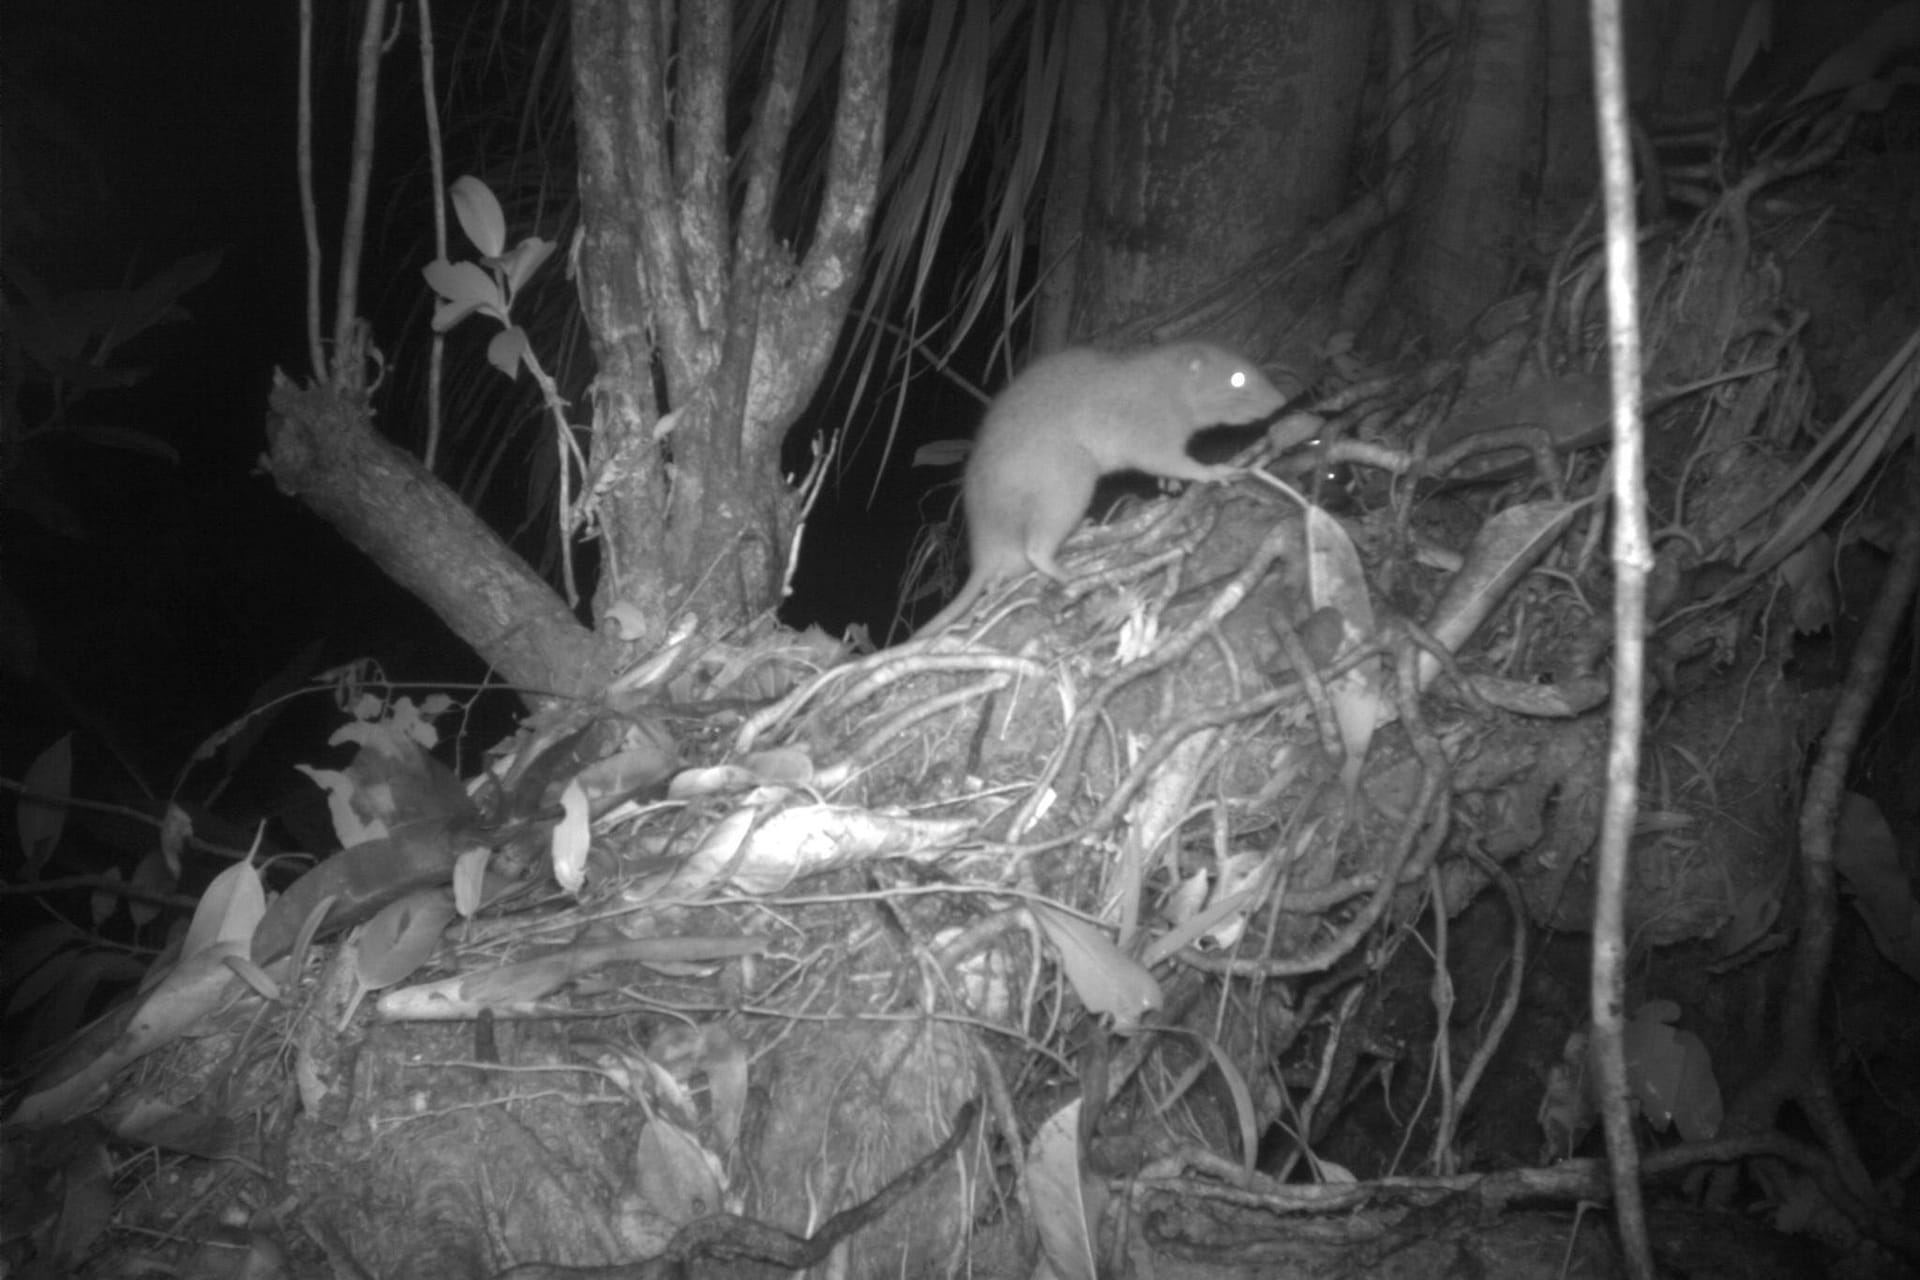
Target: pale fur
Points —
{"points": [[1075, 416]]}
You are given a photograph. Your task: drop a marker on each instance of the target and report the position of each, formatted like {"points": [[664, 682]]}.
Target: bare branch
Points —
{"points": [[767, 140], [661, 250], [700, 152], [859, 136]]}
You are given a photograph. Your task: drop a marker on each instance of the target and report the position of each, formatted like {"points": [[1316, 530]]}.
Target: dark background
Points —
{"points": [[136, 134]]}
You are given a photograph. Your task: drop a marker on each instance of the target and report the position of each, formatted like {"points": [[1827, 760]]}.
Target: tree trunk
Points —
{"points": [[1570, 156], [693, 509], [686, 290], [1481, 167], [1227, 131]]}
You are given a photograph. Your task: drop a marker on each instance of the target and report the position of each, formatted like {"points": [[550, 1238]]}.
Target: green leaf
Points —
{"points": [[479, 213], [42, 814]]}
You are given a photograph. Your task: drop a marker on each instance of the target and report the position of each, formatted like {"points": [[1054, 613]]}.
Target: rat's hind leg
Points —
{"points": [[1052, 516]]}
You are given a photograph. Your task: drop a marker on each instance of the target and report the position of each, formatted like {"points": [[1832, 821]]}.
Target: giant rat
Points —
{"points": [[1075, 416]]}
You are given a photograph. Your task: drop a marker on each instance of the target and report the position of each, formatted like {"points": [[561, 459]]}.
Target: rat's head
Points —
{"points": [[1222, 387]]}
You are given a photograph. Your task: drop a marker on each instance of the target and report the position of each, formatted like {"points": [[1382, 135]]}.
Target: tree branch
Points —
{"points": [[322, 448], [662, 254], [767, 138], [804, 322], [700, 152]]}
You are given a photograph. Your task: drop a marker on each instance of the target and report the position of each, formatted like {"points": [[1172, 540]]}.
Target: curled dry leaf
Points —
{"points": [[1336, 580], [756, 851], [572, 837]]}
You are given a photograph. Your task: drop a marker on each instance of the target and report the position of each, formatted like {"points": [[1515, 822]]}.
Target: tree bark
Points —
{"points": [[710, 336], [1481, 168], [322, 448], [692, 507], [1227, 131]]}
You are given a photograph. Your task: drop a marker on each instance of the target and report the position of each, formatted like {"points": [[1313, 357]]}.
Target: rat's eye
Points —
{"points": [[1239, 380]]}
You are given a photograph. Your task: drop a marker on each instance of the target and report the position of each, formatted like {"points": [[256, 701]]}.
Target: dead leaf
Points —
{"points": [[1065, 1209], [401, 937], [1107, 980]]}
